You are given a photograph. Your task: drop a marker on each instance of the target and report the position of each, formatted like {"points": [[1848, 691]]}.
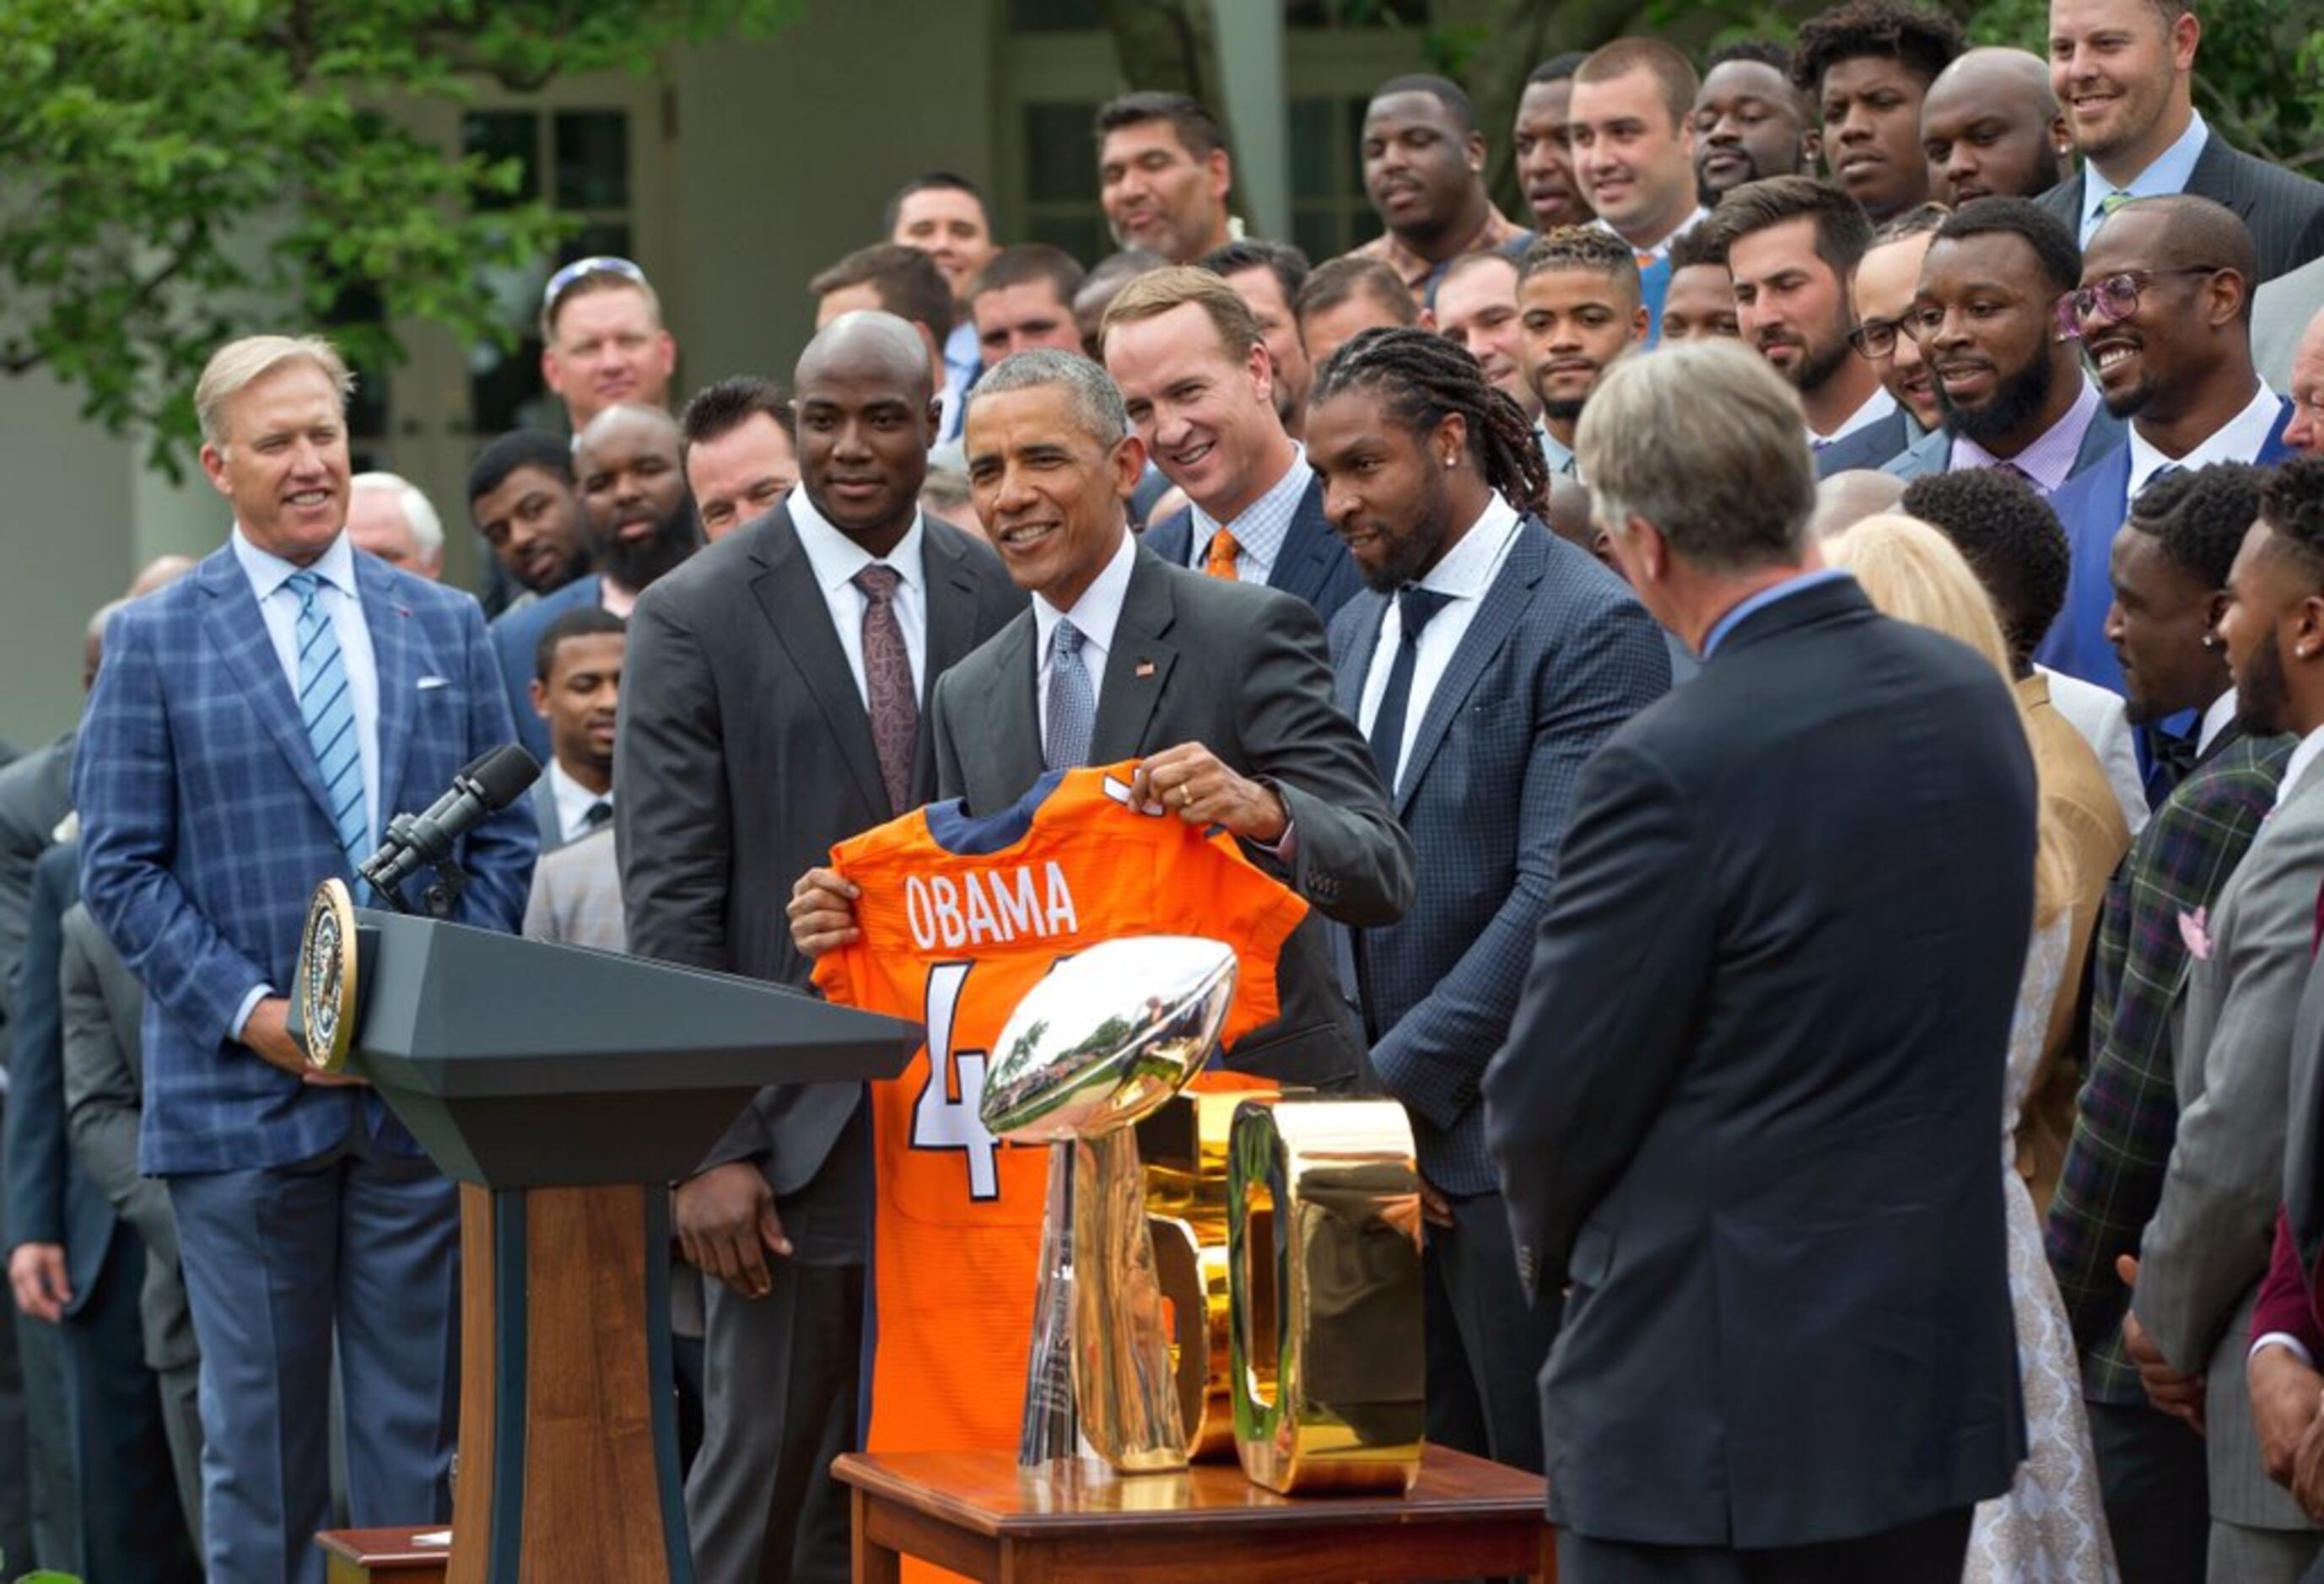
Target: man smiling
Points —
{"points": [[1634, 151], [2164, 309], [2008, 371], [2124, 72], [1193, 368]]}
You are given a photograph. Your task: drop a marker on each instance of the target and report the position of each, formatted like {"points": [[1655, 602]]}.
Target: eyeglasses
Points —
{"points": [[2117, 296], [580, 270], [1875, 340]]}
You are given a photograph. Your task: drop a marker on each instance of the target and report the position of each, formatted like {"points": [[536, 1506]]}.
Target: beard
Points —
{"points": [[2015, 402], [1816, 368], [1568, 411], [2263, 694], [636, 563], [1411, 551]]}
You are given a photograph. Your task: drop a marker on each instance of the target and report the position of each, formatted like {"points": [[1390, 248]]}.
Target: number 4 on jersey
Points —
{"points": [[945, 1114]]}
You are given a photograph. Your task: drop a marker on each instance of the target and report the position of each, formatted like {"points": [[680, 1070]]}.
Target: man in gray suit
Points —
{"points": [[1221, 689], [2124, 70], [773, 707], [104, 1085], [1486, 661], [2204, 1252]]}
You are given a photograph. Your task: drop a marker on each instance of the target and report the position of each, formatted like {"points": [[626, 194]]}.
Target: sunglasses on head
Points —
{"points": [[580, 270]]}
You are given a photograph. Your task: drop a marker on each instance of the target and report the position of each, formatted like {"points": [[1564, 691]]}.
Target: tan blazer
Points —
{"points": [[2078, 799]]}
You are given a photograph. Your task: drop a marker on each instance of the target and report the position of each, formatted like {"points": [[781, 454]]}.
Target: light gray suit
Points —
{"points": [[104, 1079], [2280, 311], [577, 895], [2205, 1250]]}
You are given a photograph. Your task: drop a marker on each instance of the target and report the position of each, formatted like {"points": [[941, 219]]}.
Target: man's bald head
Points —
{"points": [[1569, 516], [1991, 127], [2184, 231], [159, 573], [1847, 499], [869, 343], [2305, 432], [623, 423]]}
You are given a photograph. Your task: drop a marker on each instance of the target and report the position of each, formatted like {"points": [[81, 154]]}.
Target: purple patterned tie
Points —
{"points": [[887, 682]]}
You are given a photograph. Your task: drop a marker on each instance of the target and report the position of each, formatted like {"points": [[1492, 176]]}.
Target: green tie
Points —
{"points": [[2113, 201]]}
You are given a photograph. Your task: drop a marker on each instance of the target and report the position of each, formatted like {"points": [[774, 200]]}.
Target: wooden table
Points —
{"points": [[976, 1513], [358, 1556]]}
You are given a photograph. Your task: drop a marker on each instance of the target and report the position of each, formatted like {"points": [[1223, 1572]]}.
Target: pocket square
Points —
{"points": [[2194, 928], [428, 683]]}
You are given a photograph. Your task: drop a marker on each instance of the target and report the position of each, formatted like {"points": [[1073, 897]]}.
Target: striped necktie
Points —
{"points": [[329, 711]]}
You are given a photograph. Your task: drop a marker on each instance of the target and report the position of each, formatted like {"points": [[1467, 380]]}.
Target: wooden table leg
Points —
{"points": [[1549, 1555], [875, 1564]]}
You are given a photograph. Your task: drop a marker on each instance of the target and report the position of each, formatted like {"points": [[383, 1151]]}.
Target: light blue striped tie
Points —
{"points": [[330, 711]]}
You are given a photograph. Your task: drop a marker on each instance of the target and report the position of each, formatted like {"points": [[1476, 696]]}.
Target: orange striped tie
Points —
{"points": [[1224, 550]]}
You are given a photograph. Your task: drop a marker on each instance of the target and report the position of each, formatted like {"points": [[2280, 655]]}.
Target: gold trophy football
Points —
{"points": [[1107, 1037]]}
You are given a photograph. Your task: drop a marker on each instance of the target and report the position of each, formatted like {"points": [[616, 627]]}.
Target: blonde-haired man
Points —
{"points": [[254, 728]]}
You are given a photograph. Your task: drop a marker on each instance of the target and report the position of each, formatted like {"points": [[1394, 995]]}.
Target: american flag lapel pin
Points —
{"points": [[1145, 669]]}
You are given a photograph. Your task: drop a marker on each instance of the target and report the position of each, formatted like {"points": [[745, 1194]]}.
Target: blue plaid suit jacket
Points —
{"points": [[203, 833], [1559, 655], [2128, 1113]]}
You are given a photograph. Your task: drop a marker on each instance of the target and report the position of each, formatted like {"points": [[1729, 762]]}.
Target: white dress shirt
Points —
{"points": [[1095, 615], [2218, 718], [278, 607], [1466, 572], [573, 801], [2302, 756], [2238, 439], [1262, 528], [836, 559]]}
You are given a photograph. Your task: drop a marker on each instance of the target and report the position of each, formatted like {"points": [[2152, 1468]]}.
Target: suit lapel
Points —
{"points": [[1302, 568], [1504, 603], [793, 603], [1138, 666], [232, 621], [1009, 731], [951, 635], [2105, 433], [398, 668], [1355, 668], [2214, 178]]}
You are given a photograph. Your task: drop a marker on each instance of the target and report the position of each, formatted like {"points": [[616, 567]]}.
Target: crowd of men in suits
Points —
{"points": [[1470, 580]]}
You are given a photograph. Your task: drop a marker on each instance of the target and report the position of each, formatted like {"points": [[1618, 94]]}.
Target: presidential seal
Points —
{"points": [[327, 976]]}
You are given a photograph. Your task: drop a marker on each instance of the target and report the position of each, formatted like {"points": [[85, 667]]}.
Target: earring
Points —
{"points": [[2211, 640], [1448, 462]]}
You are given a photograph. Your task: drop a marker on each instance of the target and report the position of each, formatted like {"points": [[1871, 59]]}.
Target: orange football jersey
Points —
{"points": [[959, 918]]}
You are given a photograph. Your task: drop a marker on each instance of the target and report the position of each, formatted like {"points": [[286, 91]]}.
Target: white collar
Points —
{"points": [[2296, 765], [837, 559], [1467, 569], [268, 571], [2217, 718], [2239, 439], [1099, 610], [1877, 406], [573, 800]]}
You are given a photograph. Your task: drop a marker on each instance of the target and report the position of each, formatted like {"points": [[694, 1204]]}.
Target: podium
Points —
{"points": [[564, 1088]]}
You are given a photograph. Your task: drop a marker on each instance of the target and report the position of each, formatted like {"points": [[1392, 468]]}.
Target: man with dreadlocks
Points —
{"points": [[1476, 613]]}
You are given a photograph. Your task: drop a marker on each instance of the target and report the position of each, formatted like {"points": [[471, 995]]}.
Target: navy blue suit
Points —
{"points": [[1746, 1114], [2092, 506], [1933, 452], [1313, 564], [307, 1218], [126, 1519], [1558, 654], [516, 636]]}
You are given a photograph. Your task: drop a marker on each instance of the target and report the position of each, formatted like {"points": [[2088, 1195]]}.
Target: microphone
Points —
{"points": [[485, 785]]}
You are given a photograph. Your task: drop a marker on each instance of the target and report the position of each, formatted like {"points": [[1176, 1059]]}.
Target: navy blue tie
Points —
{"points": [[1415, 608]]}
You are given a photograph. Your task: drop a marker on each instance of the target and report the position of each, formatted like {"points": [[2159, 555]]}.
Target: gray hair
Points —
{"points": [[1097, 401], [426, 528], [1708, 443], [240, 363]]}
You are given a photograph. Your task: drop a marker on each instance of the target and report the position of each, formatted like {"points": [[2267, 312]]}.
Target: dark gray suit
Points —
{"points": [[1242, 671], [105, 1077], [1558, 654], [1745, 1111], [2284, 211], [744, 753], [1312, 565]]}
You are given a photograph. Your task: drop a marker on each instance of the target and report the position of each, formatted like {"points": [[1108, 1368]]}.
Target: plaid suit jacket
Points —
{"points": [[2128, 1111], [204, 833], [1560, 653]]}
